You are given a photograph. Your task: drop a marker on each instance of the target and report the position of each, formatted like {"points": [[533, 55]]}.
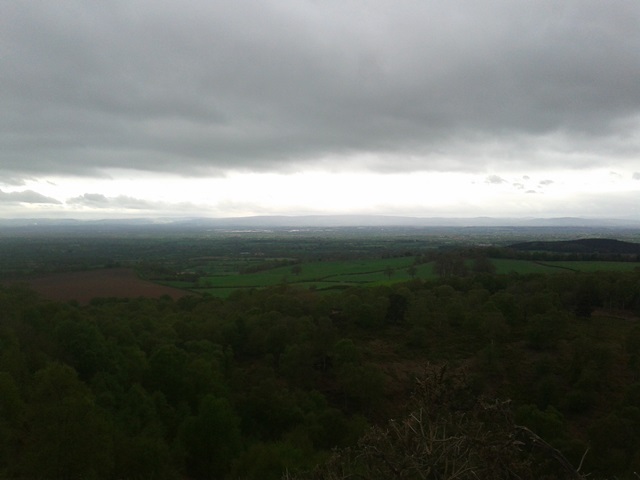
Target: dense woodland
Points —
{"points": [[283, 381]]}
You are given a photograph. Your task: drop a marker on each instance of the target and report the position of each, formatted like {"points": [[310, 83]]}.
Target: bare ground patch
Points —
{"points": [[86, 285]]}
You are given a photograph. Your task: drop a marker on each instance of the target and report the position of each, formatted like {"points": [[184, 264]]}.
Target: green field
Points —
{"points": [[504, 266], [592, 266], [223, 278], [319, 275]]}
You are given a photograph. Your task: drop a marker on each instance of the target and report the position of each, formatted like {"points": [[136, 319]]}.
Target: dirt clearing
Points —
{"points": [[112, 282]]}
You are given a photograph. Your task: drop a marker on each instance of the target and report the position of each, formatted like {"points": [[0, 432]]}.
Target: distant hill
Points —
{"points": [[319, 221], [586, 245]]}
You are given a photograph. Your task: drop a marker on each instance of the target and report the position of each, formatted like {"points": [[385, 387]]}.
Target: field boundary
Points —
{"points": [[561, 267]]}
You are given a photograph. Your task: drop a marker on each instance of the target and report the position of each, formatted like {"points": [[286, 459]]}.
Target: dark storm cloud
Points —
{"points": [[26, 196], [195, 86]]}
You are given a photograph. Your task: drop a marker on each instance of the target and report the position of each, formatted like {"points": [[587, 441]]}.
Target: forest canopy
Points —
{"points": [[274, 380]]}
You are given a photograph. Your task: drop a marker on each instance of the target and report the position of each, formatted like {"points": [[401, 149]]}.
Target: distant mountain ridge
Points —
{"points": [[585, 245], [309, 221]]}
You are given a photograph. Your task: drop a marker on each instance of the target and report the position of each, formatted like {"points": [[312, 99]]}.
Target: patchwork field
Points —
{"points": [[216, 278], [330, 275], [319, 275]]}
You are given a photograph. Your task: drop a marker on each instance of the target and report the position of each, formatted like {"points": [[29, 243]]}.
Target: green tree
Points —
{"points": [[612, 440], [450, 265], [211, 439], [483, 264], [397, 308], [362, 385], [69, 437], [345, 351], [544, 330], [268, 409], [83, 346], [143, 456], [268, 461], [167, 372], [451, 434], [412, 271], [389, 271], [11, 418]]}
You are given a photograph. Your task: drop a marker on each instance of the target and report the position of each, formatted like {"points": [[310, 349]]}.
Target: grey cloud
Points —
{"points": [[495, 180], [636, 175], [12, 181], [530, 191], [134, 206], [195, 86], [519, 186], [545, 183], [26, 196], [97, 200], [89, 199]]}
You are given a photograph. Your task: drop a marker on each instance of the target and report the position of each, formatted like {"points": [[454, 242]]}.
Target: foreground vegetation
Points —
{"points": [[273, 380], [318, 355]]}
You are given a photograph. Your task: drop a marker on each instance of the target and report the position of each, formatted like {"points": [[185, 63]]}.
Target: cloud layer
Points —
{"points": [[26, 196], [195, 87]]}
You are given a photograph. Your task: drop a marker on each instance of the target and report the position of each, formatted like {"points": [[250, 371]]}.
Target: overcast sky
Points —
{"points": [[228, 108]]}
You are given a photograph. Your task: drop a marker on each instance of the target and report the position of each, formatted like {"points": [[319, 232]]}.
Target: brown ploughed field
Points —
{"points": [[111, 282]]}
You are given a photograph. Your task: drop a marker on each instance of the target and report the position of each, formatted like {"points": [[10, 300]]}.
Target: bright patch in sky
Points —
{"points": [[432, 194]]}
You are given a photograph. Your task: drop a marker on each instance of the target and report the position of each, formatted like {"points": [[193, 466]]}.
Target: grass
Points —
{"points": [[589, 266], [221, 280], [319, 275], [504, 266]]}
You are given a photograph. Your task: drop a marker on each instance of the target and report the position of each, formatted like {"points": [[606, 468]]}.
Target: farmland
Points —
{"points": [[332, 275], [80, 264], [224, 276], [83, 286]]}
